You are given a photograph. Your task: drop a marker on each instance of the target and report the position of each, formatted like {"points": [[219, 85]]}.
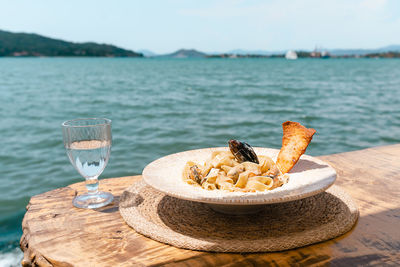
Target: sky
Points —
{"points": [[210, 26]]}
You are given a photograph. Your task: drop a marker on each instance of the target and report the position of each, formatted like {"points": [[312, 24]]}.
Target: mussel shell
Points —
{"points": [[242, 151], [195, 174]]}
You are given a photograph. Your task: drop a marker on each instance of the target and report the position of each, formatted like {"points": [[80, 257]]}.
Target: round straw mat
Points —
{"points": [[193, 225]]}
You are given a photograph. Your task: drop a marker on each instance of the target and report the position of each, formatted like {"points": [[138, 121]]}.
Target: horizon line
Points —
{"points": [[272, 51]]}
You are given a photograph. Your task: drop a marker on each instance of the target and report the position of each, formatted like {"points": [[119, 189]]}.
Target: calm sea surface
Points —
{"points": [[161, 106]]}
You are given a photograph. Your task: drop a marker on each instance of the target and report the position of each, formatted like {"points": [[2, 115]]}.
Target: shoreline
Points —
{"points": [[208, 57]]}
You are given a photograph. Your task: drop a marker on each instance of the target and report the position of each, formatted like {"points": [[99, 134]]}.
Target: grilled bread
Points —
{"points": [[295, 140]]}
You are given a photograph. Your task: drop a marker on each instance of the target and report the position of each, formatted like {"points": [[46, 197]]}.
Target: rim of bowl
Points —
{"points": [[236, 200], [66, 123]]}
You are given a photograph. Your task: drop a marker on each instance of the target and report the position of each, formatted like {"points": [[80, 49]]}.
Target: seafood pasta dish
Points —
{"points": [[242, 170], [224, 171]]}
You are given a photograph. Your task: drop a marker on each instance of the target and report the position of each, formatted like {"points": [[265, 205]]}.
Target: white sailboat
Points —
{"points": [[291, 54]]}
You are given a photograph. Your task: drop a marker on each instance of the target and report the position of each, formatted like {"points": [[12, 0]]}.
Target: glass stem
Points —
{"points": [[92, 185]]}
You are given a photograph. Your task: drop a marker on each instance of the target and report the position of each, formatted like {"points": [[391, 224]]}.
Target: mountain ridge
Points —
{"points": [[185, 53], [31, 44], [336, 51]]}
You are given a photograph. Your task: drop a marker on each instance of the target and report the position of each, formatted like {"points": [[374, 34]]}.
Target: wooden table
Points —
{"points": [[57, 234]]}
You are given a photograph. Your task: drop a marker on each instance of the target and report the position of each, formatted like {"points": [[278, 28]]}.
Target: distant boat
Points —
{"points": [[325, 54], [291, 54]]}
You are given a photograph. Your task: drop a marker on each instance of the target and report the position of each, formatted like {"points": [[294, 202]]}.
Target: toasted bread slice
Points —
{"points": [[295, 140]]}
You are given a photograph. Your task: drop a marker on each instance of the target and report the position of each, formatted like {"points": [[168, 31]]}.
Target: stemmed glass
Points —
{"points": [[88, 144]]}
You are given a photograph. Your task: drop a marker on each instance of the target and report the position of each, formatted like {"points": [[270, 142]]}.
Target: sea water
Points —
{"points": [[163, 106]]}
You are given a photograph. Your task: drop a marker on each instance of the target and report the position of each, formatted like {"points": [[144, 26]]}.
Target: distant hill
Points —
{"points": [[27, 44], [186, 53], [342, 52], [391, 48], [147, 53], [334, 52], [245, 52], [255, 52]]}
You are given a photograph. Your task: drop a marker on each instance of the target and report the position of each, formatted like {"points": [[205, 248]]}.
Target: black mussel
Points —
{"points": [[242, 151], [195, 174]]}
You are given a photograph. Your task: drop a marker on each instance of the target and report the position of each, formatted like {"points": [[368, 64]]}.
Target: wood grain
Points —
{"points": [[57, 234]]}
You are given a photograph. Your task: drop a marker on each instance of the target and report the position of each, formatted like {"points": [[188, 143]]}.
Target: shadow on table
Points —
{"points": [[305, 165], [128, 199], [111, 208], [277, 226]]}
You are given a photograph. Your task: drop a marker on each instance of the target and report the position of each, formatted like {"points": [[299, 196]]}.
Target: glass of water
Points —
{"points": [[88, 144]]}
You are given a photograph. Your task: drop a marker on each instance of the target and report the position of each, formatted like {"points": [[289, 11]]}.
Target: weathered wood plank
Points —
{"points": [[57, 234]]}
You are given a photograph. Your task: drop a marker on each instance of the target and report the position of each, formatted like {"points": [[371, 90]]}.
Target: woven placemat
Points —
{"points": [[194, 225]]}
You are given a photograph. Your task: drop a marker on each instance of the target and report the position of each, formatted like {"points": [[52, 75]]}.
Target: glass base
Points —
{"points": [[93, 201]]}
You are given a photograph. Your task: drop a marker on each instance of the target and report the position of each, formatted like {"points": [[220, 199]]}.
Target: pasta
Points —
{"points": [[222, 171]]}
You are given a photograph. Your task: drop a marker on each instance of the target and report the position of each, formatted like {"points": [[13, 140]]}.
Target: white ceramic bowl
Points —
{"points": [[308, 177]]}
